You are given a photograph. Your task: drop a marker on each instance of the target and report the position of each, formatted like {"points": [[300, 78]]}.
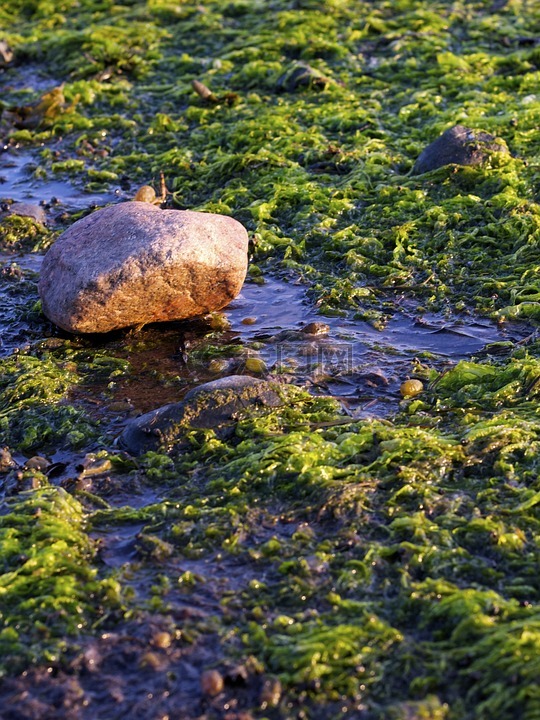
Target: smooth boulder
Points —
{"points": [[133, 264], [458, 146], [216, 405]]}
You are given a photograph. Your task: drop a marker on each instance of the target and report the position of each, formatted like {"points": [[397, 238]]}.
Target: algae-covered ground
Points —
{"points": [[322, 561]]}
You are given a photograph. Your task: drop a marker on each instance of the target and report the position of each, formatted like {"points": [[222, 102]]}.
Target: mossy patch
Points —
{"points": [[47, 583], [23, 234], [34, 408]]}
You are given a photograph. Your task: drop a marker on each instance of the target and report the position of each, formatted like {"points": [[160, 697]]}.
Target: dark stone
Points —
{"points": [[458, 146], [217, 405]]}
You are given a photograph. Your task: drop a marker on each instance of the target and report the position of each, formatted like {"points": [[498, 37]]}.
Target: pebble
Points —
{"points": [[410, 388], [7, 463], [218, 365], [316, 328], [162, 640], [301, 75], [92, 466], [212, 683], [219, 322], [145, 194], [37, 463], [255, 365]]}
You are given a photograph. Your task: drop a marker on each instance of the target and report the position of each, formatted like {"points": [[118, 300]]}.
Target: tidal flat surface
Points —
{"points": [[351, 553], [361, 365]]}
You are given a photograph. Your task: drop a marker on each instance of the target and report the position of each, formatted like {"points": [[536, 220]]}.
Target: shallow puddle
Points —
{"points": [[352, 360], [18, 182], [356, 362], [361, 366], [278, 305]]}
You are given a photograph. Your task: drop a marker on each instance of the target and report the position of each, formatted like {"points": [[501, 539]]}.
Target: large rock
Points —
{"points": [[133, 263], [458, 146], [217, 405]]}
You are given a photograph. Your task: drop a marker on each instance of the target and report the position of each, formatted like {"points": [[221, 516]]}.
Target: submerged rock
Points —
{"points": [[458, 146], [218, 405], [37, 462], [212, 683], [316, 328], [133, 263]]}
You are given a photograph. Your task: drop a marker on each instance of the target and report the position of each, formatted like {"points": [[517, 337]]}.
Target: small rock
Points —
{"points": [[51, 343], [316, 328], [212, 683], [239, 390], [133, 264], [152, 660], [6, 54], [162, 640], [145, 194], [372, 378], [255, 365], [301, 75], [410, 388], [458, 146], [37, 463], [217, 404], [23, 209], [218, 365], [219, 322], [7, 463], [91, 466]]}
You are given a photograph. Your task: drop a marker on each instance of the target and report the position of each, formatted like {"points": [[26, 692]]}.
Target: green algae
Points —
{"points": [[390, 519], [34, 408], [30, 415], [47, 583], [390, 566], [23, 234]]}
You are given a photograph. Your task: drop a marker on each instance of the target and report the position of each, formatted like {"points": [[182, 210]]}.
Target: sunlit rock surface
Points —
{"points": [[134, 263]]}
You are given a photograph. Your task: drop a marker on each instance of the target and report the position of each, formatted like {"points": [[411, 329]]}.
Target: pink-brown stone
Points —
{"points": [[134, 263]]}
